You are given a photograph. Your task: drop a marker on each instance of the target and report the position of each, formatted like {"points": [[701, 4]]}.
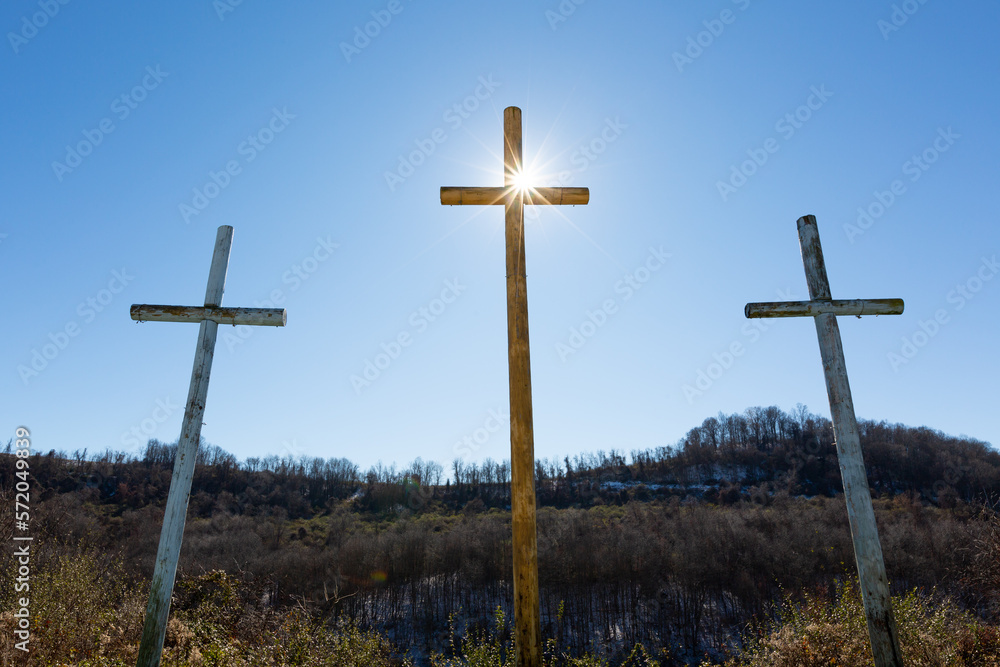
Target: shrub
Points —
{"points": [[495, 648], [820, 631], [82, 611], [85, 613]]}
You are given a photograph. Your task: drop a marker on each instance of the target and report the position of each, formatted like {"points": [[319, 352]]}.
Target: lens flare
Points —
{"points": [[523, 180]]}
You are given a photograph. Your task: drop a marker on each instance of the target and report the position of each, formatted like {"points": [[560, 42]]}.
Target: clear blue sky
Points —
{"points": [[117, 117]]}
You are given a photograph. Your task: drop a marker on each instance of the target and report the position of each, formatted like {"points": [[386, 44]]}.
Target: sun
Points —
{"points": [[523, 180]]}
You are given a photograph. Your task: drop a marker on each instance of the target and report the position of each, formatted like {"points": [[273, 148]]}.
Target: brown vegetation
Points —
{"points": [[683, 549]]}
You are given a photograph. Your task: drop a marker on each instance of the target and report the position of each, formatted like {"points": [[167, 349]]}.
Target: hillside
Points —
{"points": [[679, 547], [750, 456]]}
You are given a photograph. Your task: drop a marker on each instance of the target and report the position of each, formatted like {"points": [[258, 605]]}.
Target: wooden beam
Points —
{"points": [[452, 196], [557, 196], [172, 533], [861, 516], [474, 196], [527, 619], [857, 307], [824, 310], [272, 317]]}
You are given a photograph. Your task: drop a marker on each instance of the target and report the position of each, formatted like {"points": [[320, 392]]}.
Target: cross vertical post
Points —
{"points": [[514, 196], [172, 533], [527, 617], [861, 516]]}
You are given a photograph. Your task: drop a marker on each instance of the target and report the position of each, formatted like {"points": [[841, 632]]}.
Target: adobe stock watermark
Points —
{"points": [[122, 107], [419, 320], [786, 127], [22, 519], [296, 275], [588, 152], [627, 287], [291, 449], [381, 18], [901, 13], [957, 298], [585, 155], [31, 25], [139, 434], [696, 44], [913, 168], [87, 311], [473, 442], [724, 360], [798, 457], [454, 117], [255, 144], [950, 479], [223, 7], [562, 12]]}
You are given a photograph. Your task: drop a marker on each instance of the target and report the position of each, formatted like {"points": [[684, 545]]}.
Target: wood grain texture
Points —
{"points": [[266, 317], [172, 533], [824, 310], [867, 548], [458, 196], [527, 620], [168, 552], [841, 307]]}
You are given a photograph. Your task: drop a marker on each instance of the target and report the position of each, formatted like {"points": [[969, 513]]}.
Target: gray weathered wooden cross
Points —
{"points": [[514, 195], [867, 549], [209, 316]]}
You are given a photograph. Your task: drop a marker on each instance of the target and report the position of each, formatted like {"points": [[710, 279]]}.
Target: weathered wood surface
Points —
{"points": [[268, 317], [457, 196], [867, 548], [172, 533], [527, 620], [861, 516], [165, 567], [837, 307], [522, 438]]}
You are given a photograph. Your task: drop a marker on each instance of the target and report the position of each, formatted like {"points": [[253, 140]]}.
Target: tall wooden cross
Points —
{"points": [[867, 549], [513, 196], [209, 316]]}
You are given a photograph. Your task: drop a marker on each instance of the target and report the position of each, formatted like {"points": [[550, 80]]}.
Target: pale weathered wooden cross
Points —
{"points": [[209, 316], [867, 549], [514, 194]]}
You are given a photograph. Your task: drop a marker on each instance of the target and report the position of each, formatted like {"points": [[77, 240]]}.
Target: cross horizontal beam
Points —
{"points": [[451, 196], [857, 307], [267, 317]]}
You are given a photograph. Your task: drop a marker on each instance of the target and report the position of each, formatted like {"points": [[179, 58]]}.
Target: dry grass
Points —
{"points": [[86, 614], [495, 648], [818, 631]]}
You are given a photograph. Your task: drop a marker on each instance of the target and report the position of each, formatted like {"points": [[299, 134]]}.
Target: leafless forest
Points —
{"points": [[686, 547]]}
